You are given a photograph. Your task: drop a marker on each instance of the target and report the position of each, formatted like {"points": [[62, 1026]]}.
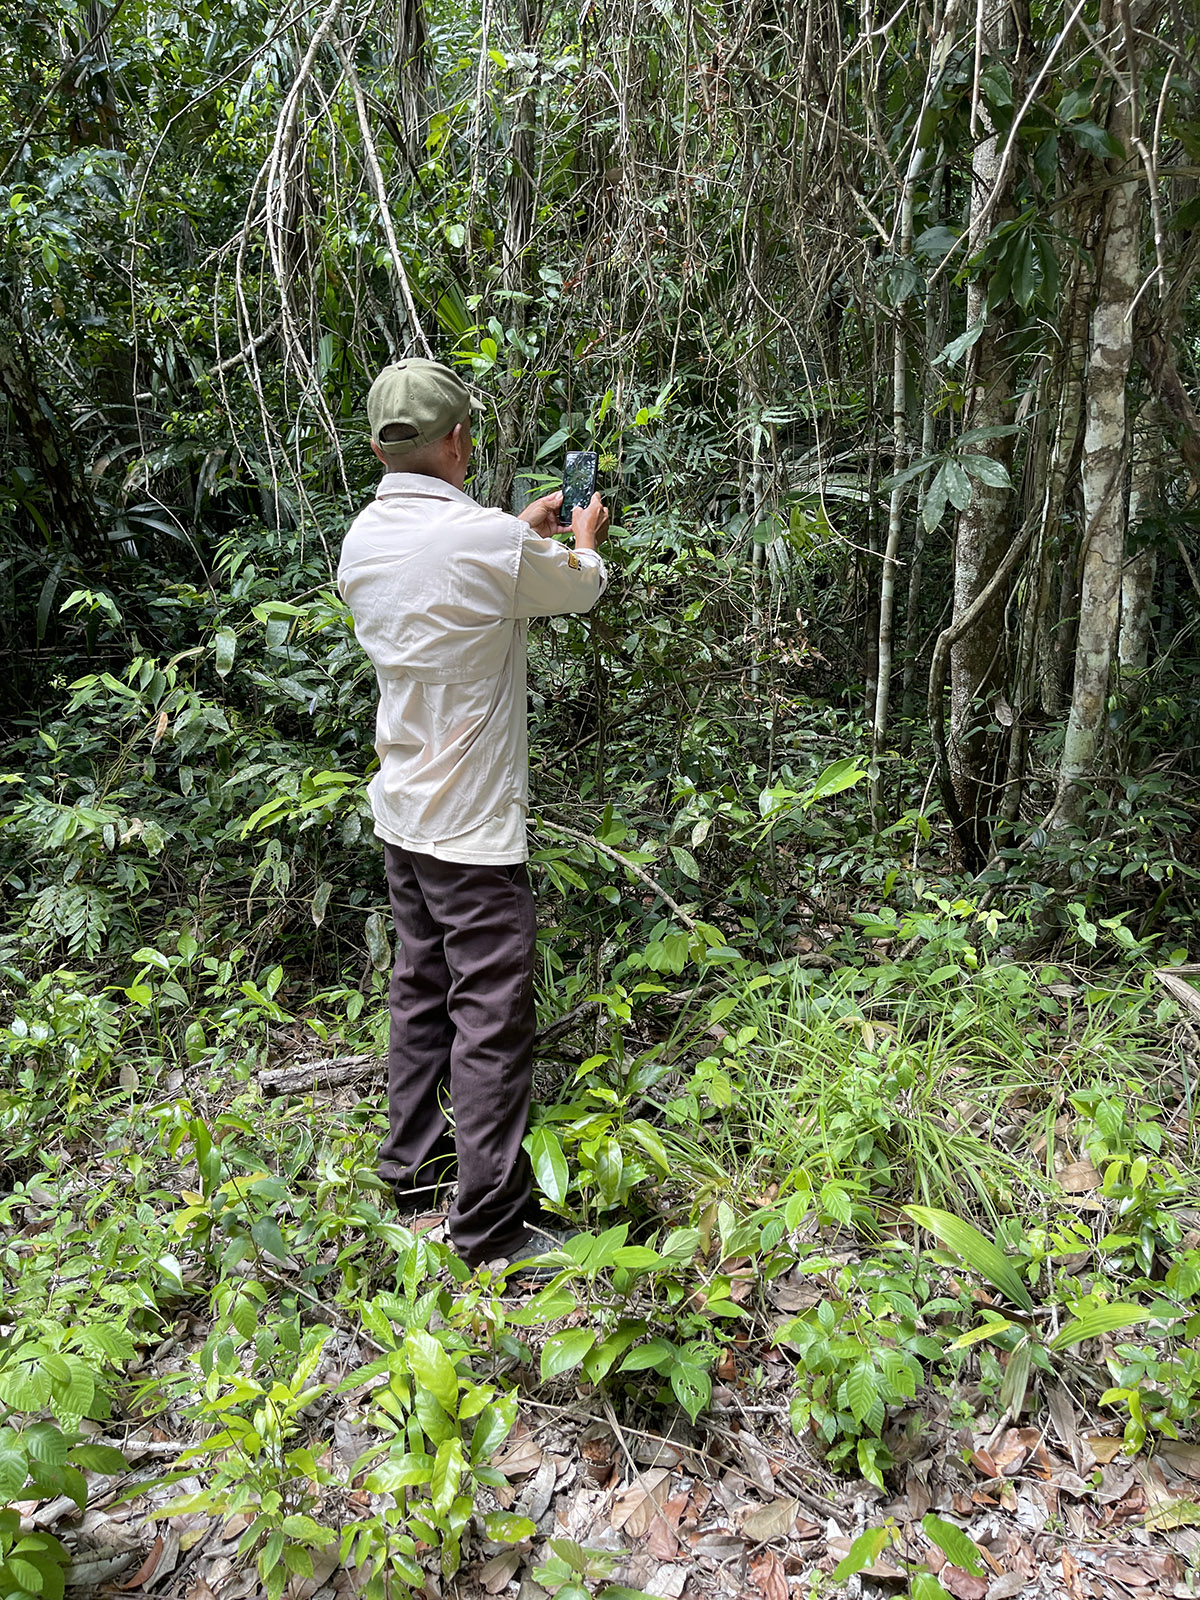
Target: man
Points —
{"points": [[441, 590]]}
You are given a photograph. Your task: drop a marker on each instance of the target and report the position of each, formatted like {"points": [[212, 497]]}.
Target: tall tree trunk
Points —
{"points": [[1103, 473], [983, 532], [1141, 565]]}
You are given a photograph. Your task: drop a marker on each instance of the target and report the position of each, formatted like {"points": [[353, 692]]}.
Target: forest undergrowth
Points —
{"points": [[885, 1177]]}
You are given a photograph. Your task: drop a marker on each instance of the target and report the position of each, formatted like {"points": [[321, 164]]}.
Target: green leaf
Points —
{"points": [[225, 645], [598, 1363], [1097, 1320], [446, 1475], [267, 1236], [562, 1351], [976, 1250], [862, 1390], [401, 1472], [553, 443], [953, 1543], [433, 1369], [863, 1553], [957, 348], [507, 1528], [549, 1163], [839, 775], [987, 470], [934, 507], [378, 945], [958, 486], [13, 1472], [692, 1386], [45, 1444], [492, 1428]]}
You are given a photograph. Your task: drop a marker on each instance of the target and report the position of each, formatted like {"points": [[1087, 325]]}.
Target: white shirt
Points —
{"points": [[440, 589]]}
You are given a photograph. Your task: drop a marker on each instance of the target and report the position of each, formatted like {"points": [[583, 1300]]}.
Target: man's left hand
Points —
{"points": [[542, 515]]}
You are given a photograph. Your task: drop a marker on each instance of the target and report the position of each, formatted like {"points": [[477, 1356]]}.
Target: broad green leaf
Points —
{"points": [[13, 1471], [862, 1390], [987, 1330], [507, 1528], [549, 1163], [401, 1472], [864, 1552], [562, 1351], [692, 1386], [225, 645], [598, 1362], [267, 1236], [839, 775], [987, 470], [953, 1543], [958, 486], [976, 1250], [446, 1475], [493, 1427], [433, 1369], [437, 1425], [46, 1444], [98, 1458], [660, 1354], [1098, 1320]]}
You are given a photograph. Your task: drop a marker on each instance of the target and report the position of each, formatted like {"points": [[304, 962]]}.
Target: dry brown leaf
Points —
{"points": [[148, 1567], [916, 1493], [984, 1464], [1115, 1482], [1066, 1421], [758, 1468], [1070, 1572], [519, 1456], [1104, 1446], [1005, 1588], [495, 1574], [636, 1506], [717, 1544], [963, 1585], [768, 1575], [1078, 1177], [773, 1521], [1137, 1577], [1183, 1457], [662, 1542]]}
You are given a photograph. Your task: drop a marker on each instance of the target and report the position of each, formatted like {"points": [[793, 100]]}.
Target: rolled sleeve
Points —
{"points": [[553, 580]]}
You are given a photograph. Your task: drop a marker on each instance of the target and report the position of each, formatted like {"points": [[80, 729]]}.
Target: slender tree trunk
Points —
{"points": [[983, 532], [887, 585], [1141, 566], [1103, 472]]}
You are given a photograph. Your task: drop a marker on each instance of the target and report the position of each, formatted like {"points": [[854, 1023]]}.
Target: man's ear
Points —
{"points": [[379, 452]]}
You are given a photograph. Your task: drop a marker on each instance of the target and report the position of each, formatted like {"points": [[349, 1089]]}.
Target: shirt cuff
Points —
{"points": [[593, 558]]}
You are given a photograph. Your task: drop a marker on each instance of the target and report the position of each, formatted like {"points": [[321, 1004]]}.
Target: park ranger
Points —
{"points": [[441, 590]]}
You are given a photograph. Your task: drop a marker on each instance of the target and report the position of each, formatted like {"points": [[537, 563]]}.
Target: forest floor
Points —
{"points": [[941, 1342]]}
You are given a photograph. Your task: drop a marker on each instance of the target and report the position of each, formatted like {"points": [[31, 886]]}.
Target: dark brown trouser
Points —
{"points": [[462, 1027]]}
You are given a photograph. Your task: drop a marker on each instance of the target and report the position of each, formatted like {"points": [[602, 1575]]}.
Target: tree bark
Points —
{"points": [[1141, 565], [983, 532], [1103, 471]]}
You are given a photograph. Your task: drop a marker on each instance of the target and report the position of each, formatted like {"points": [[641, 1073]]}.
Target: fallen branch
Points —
{"points": [[338, 1071]]}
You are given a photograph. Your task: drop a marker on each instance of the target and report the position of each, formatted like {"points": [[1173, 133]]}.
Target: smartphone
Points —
{"points": [[579, 483]]}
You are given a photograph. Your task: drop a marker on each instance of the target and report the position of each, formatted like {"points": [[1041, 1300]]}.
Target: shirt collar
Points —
{"points": [[418, 483]]}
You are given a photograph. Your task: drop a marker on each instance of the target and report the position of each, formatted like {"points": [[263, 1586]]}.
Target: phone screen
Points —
{"points": [[579, 482]]}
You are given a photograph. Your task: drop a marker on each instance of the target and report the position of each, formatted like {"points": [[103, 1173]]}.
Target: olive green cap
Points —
{"points": [[418, 394]]}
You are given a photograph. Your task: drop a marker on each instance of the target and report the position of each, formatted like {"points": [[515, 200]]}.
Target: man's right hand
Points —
{"points": [[589, 524]]}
